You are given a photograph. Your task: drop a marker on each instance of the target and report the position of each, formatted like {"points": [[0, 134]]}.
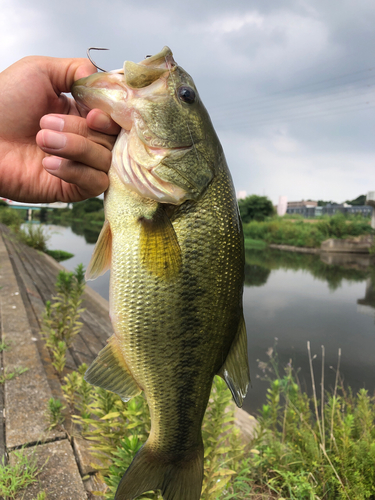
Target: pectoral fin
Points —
{"points": [[109, 371], [101, 258], [188, 170], [159, 248], [235, 370]]}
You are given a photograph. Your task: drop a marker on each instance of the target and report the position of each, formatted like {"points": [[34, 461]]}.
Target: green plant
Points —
{"points": [[285, 231], [11, 375], [59, 255], [18, 476], [10, 217], [223, 449], [4, 346], [311, 447], [54, 412], [34, 236], [60, 323], [41, 496], [59, 355]]}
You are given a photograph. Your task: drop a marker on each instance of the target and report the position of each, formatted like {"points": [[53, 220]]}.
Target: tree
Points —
{"points": [[255, 207], [360, 200]]}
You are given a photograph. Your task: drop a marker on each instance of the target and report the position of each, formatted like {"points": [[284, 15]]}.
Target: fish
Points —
{"points": [[173, 241]]}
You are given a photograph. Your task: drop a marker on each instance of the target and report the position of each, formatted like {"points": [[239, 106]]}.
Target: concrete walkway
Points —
{"points": [[27, 280]]}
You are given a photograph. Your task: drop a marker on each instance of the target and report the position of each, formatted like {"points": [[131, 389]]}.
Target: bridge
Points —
{"points": [[21, 205], [35, 206]]}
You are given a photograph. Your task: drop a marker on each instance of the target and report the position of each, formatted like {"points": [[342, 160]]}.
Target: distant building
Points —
{"points": [[302, 203], [306, 208], [310, 209]]}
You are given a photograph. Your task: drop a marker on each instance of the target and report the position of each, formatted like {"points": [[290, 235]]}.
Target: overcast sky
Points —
{"points": [[289, 85]]}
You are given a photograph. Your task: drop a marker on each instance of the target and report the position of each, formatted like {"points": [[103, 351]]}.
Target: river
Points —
{"points": [[289, 299]]}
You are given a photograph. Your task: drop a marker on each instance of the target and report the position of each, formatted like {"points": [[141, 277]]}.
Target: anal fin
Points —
{"points": [[101, 258], [235, 370], [109, 371], [159, 249]]}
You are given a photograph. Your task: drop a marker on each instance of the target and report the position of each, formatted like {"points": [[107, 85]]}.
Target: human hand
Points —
{"points": [[31, 98]]}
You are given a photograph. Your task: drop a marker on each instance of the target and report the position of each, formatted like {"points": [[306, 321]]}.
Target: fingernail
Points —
{"points": [[51, 162], [53, 140], [52, 122]]}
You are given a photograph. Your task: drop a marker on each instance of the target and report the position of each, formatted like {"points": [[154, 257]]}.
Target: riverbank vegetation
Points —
{"points": [[33, 235], [306, 446], [300, 233]]}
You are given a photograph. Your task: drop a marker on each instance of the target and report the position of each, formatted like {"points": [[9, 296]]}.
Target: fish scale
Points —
{"points": [[177, 268]]}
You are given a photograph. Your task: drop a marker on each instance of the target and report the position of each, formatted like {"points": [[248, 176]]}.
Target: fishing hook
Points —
{"points": [[88, 55]]}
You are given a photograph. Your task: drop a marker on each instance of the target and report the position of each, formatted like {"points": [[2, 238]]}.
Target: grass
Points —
{"points": [[9, 376], [284, 231], [315, 447], [34, 236], [3, 346], [15, 478], [59, 255]]}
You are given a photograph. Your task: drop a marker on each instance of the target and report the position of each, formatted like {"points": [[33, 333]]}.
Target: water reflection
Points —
{"points": [[331, 268], [308, 297]]}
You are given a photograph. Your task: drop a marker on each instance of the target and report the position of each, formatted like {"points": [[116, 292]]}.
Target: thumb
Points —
{"points": [[63, 72]]}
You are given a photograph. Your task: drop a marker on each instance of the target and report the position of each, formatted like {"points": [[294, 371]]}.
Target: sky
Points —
{"points": [[289, 85]]}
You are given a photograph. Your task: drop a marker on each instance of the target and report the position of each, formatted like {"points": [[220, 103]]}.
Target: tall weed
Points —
{"points": [[60, 323], [305, 234], [34, 236], [307, 448]]}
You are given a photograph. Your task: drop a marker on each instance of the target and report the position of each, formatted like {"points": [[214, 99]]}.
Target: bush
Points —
{"points": [[34, 236], [10, 217], [305, 234], [255, 208]]}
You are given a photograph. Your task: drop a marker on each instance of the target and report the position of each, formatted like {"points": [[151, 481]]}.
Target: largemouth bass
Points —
{"points": [[173, 240]]}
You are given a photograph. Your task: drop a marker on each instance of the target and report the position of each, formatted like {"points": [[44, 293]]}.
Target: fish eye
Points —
{"points": [[186, 94]]}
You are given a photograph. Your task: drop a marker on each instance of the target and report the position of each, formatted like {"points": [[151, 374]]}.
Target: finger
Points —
{"points": [[100, 121], [63, 72], [89, 181], [74, 147], [78, 125]]}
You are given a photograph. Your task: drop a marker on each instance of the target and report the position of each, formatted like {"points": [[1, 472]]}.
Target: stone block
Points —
{"points": [[358, 244], [59, 476], [86, 462]]}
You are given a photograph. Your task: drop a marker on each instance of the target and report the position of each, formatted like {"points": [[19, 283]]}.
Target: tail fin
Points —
{"points": [[177, 480]]}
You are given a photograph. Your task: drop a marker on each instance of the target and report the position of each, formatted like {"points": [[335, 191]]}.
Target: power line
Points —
{"points": [[257, 99], [294, 103], [287, 118]]}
